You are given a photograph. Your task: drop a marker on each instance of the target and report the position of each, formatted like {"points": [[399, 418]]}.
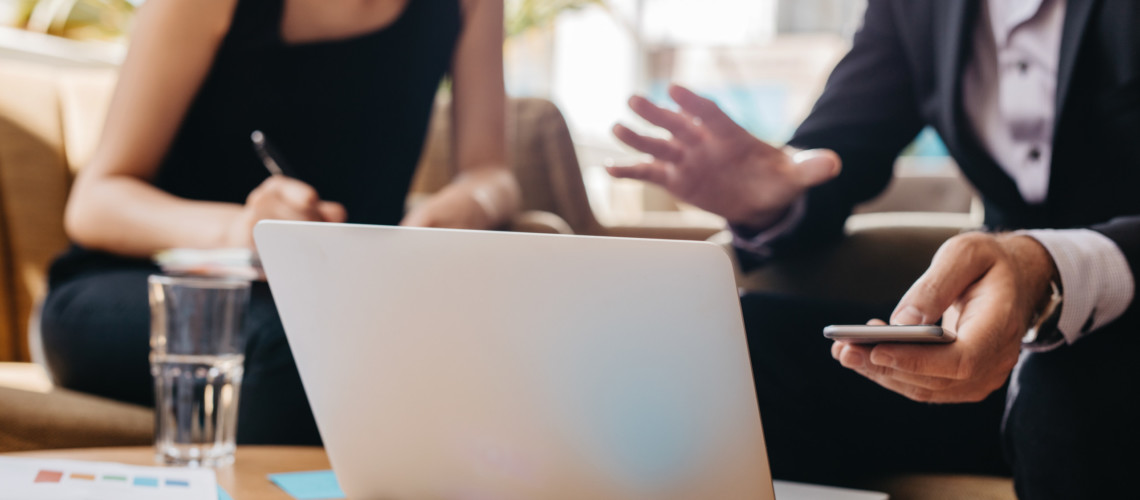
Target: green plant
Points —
{"points": [[80, 19], [522, 15]]}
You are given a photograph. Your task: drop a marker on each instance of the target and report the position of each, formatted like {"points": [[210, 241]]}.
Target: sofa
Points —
{"points": [[50, 119]]}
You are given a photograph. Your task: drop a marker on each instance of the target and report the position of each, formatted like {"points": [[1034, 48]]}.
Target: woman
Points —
{"points": [[343, 88]]}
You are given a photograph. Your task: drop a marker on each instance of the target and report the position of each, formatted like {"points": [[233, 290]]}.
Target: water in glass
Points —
{"points": [[196, 407], [196, 359]]}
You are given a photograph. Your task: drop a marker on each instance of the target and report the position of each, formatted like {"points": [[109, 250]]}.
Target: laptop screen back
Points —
{"points": [[480, 365]]}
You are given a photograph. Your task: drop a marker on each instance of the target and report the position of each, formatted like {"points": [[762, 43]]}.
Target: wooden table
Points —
{"points": [[245, 479]]}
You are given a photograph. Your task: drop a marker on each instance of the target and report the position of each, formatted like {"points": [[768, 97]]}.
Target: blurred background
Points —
{"points": [[763, 61]]}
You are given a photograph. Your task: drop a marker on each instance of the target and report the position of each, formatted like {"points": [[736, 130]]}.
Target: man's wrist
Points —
{"points": [[750, 227], [1035, 267], [751, 223]]}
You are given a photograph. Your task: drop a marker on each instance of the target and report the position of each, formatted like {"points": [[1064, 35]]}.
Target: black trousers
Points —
{"points": [[1070, 432], [1068, 429], [96, 333]]}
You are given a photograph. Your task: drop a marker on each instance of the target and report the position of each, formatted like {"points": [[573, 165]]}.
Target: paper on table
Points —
{"points": [[218, 262], [313, 485], [35, 479]]}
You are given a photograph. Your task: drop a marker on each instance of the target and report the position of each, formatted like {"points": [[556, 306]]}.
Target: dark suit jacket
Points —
{"points": [[904, 72]]}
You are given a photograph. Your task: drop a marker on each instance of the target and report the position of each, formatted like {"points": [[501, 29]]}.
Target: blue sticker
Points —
{"points": [[314, 485], [146, 481]]}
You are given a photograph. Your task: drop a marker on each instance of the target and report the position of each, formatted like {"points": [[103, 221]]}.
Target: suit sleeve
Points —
{"points": [[867, 113]]}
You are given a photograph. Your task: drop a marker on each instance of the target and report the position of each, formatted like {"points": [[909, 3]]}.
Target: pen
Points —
{"points": [[266, 152]]}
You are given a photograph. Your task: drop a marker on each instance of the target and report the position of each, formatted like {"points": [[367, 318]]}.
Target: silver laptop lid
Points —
{"points": [[485, 365]]}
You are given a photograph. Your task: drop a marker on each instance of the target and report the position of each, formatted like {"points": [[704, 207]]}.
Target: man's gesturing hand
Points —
{"points": [[716, 165], [986, 288]]}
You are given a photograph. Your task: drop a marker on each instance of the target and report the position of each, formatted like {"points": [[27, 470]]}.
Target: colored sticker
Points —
{"points": [[177, 482], [146, 481], [48, 476], [114, 478], [313, 485], [82, 477]]}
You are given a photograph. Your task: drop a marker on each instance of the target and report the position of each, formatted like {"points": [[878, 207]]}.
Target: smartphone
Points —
{"points": [[874, 334]]}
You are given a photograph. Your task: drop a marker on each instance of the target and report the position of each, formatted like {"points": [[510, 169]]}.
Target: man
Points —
{"points": [[1039, 102]]}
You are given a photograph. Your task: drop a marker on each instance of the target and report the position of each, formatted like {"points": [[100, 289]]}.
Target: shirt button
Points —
{"points": [[1034, 154], [1023, 67]]}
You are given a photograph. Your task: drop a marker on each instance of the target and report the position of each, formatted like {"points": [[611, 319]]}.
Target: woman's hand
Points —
{"points": [[280, 198], [482, 199]]}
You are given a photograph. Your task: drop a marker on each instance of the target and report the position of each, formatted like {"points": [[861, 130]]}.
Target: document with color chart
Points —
{"points": [[32, 479]]}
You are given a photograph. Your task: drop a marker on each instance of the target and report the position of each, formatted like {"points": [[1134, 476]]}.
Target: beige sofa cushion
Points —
{"points": [[50, 121], [34, 180], [66, 419], [8, 342]]}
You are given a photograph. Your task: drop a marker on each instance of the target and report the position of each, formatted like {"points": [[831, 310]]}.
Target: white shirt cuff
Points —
{"points": [[1095, 278], [759, 244]]}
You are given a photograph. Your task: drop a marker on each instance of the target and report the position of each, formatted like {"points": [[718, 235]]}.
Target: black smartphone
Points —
{"points": [[874, 334]]}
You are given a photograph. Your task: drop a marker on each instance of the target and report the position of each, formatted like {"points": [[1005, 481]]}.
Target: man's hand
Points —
{"points": [[986, 289], [716, 165]]}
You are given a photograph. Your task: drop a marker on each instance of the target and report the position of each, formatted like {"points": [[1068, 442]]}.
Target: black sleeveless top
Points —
{"points": [[349, 116]]}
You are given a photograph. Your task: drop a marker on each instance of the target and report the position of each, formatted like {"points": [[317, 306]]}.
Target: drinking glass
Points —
{"points": [[196, 358]]}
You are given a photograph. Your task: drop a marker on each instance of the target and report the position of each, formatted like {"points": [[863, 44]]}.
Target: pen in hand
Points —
{"points": [[321, 211], [266, 152]]}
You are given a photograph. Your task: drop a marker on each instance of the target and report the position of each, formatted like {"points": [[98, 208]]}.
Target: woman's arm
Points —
{"points": [[486, 194], [113, 207]]}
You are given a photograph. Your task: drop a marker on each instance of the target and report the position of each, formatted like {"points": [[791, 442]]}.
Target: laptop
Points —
{"points": [[476, 365]]}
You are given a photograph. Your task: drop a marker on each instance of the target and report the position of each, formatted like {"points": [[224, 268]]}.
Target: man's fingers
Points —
{"points": [[914, 392], [659, 148], [677, 124], [950, 361], [917, 387], [933, 383], [706, 110], [916, 364], [816, 166], [958, 263], [655, 172], [852, 356]]}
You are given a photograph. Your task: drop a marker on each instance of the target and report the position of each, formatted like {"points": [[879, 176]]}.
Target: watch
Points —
{"points": [[1044, 328]]}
